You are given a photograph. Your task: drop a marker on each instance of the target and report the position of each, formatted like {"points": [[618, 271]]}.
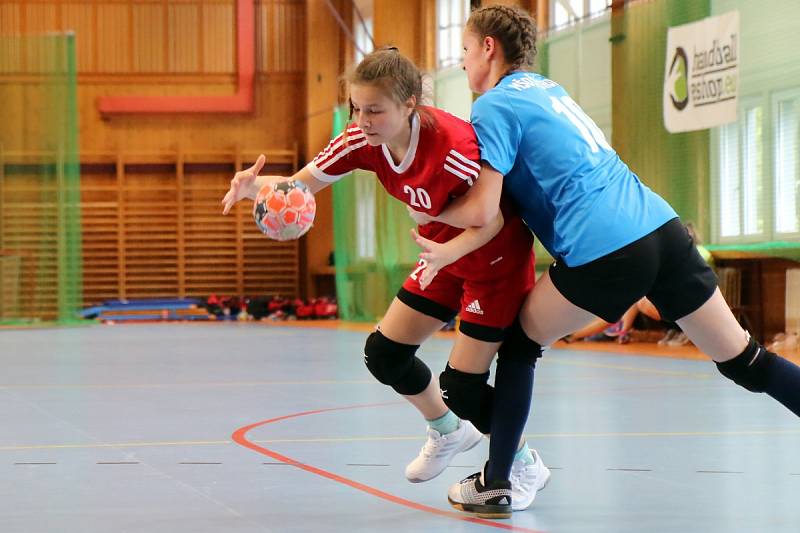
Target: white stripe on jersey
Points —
{"points": [[458, 173], [468, 170], [337, 142], [344, 152], [321, 176], [330, 150], [467, 161]]}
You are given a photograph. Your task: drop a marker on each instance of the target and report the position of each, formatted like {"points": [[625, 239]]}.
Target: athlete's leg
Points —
{"points": [[404, 325], [508, 403], [647, 308], [547, 315], [714, 330], [503, 409], [464, 382], [629, 318], [413, 316], [686, 291], [593, 328]]}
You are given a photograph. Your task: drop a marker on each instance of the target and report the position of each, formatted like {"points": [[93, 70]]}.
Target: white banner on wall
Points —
{"points": [[701, 79]]}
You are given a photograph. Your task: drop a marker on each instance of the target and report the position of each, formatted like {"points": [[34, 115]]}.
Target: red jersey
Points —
{"points": [[442, 162]]}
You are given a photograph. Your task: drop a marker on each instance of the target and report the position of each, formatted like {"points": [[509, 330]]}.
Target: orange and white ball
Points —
{"points": [[285, 210]]}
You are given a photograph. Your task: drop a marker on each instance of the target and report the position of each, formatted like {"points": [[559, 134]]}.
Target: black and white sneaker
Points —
{"points": [[472, 495]]}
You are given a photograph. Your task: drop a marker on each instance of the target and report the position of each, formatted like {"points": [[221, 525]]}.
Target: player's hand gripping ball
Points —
{"points": [[284, 210]]}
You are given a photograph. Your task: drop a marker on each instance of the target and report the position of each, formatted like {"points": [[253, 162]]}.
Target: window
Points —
{"points": [[451, 15], [786, 106], [729, 185], [741, 177], [566, 12], [365, 214], [752, 172], [362, 31], [757, 171]]}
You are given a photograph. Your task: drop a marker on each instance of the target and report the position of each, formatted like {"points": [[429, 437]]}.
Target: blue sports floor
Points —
{"points": [[254, 428]]}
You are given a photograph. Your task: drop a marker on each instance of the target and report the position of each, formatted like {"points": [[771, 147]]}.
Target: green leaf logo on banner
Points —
{"points": [[679, 73]]}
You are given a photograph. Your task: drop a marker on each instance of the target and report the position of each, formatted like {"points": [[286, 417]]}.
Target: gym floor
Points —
{"points": [[251, 427]]}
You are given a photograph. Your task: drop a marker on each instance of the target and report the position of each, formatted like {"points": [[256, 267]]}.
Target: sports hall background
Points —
{"points": [[123, 121], [121, 125]]}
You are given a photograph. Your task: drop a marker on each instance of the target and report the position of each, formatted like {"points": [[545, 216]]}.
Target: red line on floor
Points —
{"points": [[240, 437]]}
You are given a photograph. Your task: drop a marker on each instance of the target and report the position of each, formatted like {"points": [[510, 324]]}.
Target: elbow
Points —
{"points": [[486, 215]]}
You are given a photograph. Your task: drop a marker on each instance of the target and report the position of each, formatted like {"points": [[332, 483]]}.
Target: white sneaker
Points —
{"points": [[440, 449], [526, 481]]}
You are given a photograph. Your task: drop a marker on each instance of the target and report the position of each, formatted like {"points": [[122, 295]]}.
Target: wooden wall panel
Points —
{"points": [[149, 38], [40, 16], [80, 18], [276, 123], [124, 47], [32, 238], [150, 226], [167, 36], [184, 38], [219, 35], [324, 55], [264, 36], [210, 240], [113, 38], [153, 227], [401, 23], [10, 18], [281, 21], [10, 53], [160, 231], [284, 25], [101, 235]]}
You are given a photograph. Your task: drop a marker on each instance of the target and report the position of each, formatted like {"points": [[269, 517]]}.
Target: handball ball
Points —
{"points": [[284, 210]]}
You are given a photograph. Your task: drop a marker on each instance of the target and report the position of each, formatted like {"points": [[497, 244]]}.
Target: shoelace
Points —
{"points": [[467, 479], [431, 445], [516, 477]]}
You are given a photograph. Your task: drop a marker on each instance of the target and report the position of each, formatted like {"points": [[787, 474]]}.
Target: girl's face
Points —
{"points": [[380, 118], [477, 65]]}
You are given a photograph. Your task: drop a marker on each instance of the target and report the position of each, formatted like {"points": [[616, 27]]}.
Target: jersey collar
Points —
{"points": [[410, 153]]}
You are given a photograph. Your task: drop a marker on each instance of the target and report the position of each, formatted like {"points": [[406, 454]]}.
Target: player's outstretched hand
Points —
{"points": [[243, 184], [436, 256], [420, 218]]}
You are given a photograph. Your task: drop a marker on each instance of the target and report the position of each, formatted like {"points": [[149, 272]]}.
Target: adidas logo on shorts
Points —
{"points": [[475, 307]]}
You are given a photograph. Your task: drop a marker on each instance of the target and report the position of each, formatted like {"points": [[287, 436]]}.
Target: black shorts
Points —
{"points": [[663, 265]]}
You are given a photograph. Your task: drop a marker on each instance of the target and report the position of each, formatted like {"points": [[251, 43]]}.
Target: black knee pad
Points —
{"points": [[517, 345], [749, 368], [469, 396], [395, 364]]}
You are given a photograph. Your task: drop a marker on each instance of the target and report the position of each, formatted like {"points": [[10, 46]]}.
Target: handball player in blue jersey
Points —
{"points": [[613, 239]]}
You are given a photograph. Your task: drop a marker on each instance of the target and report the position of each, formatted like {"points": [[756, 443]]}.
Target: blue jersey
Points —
{"points": [[570, 186]]}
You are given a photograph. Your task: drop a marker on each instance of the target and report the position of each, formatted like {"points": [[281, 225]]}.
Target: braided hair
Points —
{"points": [[513, 28]]}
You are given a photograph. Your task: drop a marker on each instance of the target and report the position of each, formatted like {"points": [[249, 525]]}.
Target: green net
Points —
{"points": [[373, 249], [40, 222]]}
